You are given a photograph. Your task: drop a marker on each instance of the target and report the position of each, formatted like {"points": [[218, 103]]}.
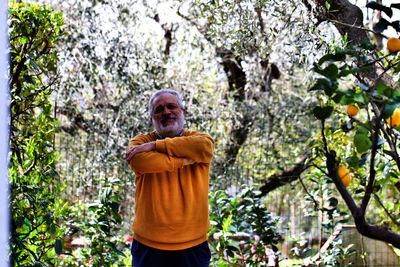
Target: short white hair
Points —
{"points": [[165, 91]]}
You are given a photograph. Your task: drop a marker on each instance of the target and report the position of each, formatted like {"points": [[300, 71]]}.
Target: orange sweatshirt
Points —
{"points": [[171, 200]]}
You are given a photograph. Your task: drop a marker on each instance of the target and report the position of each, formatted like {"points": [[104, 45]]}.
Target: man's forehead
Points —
{"points": [[166, 97]]}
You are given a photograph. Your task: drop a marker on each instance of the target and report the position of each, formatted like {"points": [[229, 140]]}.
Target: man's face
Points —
{"points": [[168, 117]]}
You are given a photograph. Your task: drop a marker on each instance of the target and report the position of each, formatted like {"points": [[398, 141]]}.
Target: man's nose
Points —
{"points": [[166, 111]]}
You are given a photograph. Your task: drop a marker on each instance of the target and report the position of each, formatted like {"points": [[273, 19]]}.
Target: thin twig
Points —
{"points": [[386, 70], [386, 211], [377, 59], [323, 135], [319, 168], [392, 146], [316, 204], [356, 27]]}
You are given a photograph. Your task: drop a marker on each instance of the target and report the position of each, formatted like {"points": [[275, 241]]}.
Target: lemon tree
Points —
{"points": [[368, 167]]}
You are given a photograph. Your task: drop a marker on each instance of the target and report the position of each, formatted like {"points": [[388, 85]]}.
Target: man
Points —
{"points": [[171, 198]]}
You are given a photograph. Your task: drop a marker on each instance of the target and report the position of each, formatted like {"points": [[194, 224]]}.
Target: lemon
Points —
{"points": [[394, 120], [393, 44], [352, 110], [344, 175]]}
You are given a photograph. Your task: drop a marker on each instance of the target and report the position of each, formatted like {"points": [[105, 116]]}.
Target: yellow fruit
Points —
{"points": [[393, 44], [394, 120], [352, 110], [344, 175]]}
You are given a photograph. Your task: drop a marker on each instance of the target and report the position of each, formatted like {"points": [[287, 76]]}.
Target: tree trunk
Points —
{"points": [[348, 19]]}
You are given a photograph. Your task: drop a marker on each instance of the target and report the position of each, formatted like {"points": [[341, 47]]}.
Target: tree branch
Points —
{"points": [[371, 231], [386, 210], [285, 177], [372, 172], [355, 27], [387, 137]]}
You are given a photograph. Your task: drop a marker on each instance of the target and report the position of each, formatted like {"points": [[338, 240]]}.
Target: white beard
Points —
{"points": [[171, 130]]}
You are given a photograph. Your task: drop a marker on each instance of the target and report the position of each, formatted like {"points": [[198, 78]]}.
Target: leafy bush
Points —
{"points": [[36, 235], [97, 224], [242, 218]]}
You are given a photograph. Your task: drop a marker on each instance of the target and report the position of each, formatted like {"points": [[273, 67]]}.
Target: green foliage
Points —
{"points": [[326, 207], [366, 142], [36, 233], [242, 218], [97, 224], [333, 256]]}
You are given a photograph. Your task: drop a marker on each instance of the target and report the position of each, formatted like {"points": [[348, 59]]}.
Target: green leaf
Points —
{"points": [[324, 84], [367, 44], [353, 161], [23, 40], [28, 224], [119, 252], [363, 159], [322, 113], [337, 97], [53, 229], [229, 252], [58, 247], [347, 99], [362, 143], [358, 98], [327, 5], [384, 90], [333, 201], [332, 57], [331, 71], [33, 63], [361, 129], [390, 106], [346, 72]]}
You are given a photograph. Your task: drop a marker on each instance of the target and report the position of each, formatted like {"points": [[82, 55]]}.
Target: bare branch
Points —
{"points": [[385, 209], [372, 171], [285, 177], [355, 27]]}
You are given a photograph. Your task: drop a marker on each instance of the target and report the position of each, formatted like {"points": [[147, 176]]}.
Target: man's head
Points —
{"points": [[167, 113]]}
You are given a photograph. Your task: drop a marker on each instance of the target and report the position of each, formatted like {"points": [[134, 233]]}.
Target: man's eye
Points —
{"points": [[158, 110], [172, 107]]}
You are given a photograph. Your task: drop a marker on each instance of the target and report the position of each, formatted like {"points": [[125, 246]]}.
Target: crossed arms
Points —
{"points": [[148, 156]]}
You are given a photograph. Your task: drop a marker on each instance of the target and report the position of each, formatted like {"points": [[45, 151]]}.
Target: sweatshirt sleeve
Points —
{"points": [[196, 146], [152, 161]]}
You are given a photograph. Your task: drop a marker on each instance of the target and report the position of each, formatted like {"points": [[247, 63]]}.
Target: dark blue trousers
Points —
{"points": [[144, 256]]}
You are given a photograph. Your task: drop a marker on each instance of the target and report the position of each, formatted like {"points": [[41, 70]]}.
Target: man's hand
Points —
{"points": [[139, 149], [187, 161]]}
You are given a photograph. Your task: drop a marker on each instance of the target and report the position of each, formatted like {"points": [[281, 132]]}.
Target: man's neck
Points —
{"points": [[163, 137]]}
